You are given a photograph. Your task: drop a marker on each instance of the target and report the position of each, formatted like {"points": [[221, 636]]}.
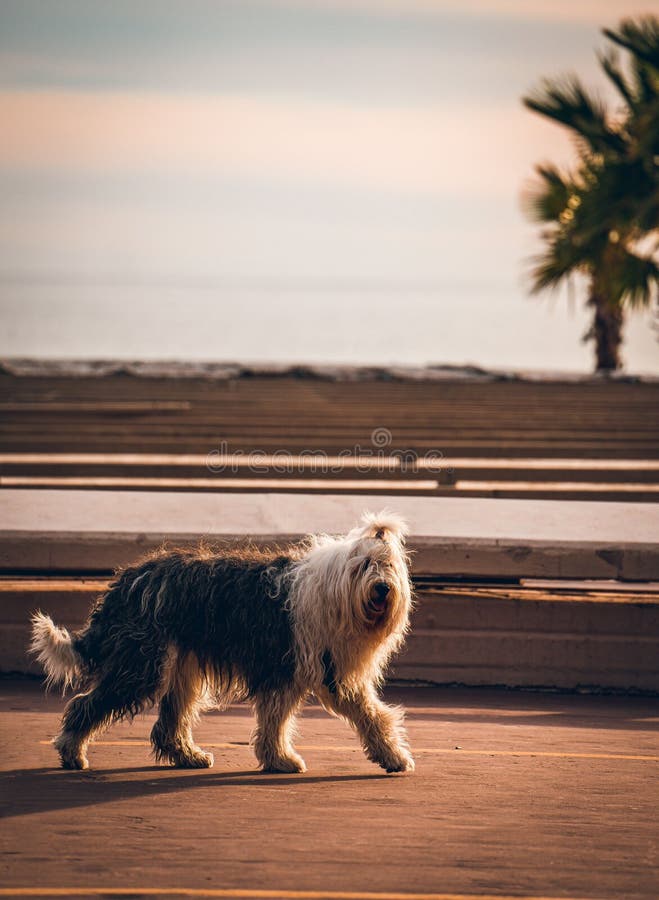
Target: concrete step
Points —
{"points": [[384, 473], [446, 469], [95, 531], [402, 486], [582, 637], [47, 410]]}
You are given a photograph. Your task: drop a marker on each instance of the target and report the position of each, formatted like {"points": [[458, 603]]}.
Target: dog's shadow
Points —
{"points": [[32, 791]]}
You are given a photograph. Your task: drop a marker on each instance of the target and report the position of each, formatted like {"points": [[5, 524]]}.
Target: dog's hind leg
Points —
{"points": [[120, 692], [379, 726], [85, 715], [275, 726], [172, 734]]}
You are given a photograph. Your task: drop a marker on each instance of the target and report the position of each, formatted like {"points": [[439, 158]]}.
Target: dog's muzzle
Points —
{"points": [[377, 603]]}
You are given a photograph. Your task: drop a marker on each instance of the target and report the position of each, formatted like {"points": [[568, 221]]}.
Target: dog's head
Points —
{"points": [[351, 596], [378, 571], [359, 583]]}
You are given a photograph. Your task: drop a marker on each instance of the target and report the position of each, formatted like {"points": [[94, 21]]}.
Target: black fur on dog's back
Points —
{"points": [[226, 609]]}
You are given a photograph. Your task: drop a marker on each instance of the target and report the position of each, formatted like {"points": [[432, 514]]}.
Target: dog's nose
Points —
{"points": [[382, 590]]}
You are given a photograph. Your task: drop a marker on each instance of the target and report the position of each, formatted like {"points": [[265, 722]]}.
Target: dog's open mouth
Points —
{"points": [[376, 607], [377, 602]]}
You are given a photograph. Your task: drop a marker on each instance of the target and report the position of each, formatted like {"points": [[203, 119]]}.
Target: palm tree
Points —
{"points": [[602, 218]]}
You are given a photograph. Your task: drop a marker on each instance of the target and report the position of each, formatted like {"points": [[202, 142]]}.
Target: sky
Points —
{"points": [[329, 180]]}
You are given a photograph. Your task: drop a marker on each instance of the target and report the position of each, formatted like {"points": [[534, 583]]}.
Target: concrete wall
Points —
{"points": [[606, 639], [485, 636]]}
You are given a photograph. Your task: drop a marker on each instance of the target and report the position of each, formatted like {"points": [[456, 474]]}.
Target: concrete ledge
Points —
{"points": [[518, 637], [525, 637], [94, 531], [629, 480]]}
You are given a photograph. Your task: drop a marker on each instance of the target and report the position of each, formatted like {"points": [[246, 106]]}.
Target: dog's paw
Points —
{"points": [[74, 762], [71, 752], [402, 762], [195, 759], [287, 765]]}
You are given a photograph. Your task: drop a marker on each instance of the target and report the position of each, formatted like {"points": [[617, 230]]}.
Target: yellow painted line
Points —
{"points": [[430, 750], [257, 894], [545, 753]]}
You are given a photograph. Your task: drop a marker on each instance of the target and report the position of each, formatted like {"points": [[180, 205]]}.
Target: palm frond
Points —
{"points": [[568, 102], [639, 36], [561, 259], [624, 197], [635, 280], [610, 63], [647, 81], [545, 198]]}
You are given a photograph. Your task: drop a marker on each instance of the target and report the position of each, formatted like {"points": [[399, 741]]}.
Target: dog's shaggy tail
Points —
{"points": [[53, 648]]}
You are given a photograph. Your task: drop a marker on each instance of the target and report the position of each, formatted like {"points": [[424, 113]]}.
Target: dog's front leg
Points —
{"points": [[379, 726], [275, 727]]}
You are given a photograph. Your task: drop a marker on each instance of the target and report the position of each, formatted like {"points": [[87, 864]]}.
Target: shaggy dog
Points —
{"points": [[189, 628]]}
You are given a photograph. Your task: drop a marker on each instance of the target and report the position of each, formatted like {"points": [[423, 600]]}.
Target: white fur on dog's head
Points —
{"points": [[384, 525], [351, 595]]}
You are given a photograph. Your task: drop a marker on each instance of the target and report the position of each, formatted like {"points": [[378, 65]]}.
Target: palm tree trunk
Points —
{"points": [[606, 332]]}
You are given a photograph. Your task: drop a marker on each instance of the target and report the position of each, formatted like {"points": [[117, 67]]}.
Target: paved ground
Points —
{"points": [[515, 795]]}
